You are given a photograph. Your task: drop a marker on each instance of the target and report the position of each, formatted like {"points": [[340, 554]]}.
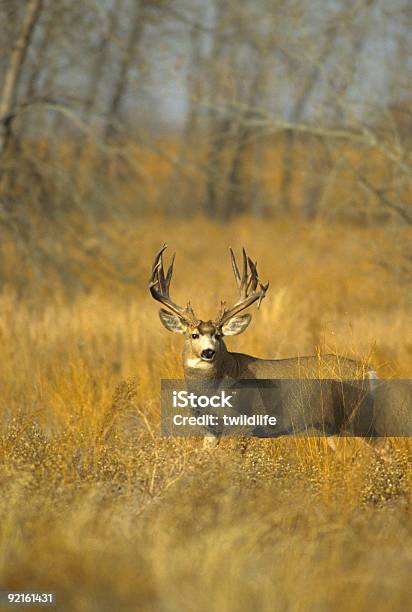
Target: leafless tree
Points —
{"points": [[13, 72], [230, 81]]}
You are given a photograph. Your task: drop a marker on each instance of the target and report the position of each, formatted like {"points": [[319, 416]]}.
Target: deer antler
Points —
{"points": [[248, 289], [159, 288]]}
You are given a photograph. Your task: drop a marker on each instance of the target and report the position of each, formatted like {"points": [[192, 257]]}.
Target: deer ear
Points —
{"points": [[172, 322], [236, 325]]}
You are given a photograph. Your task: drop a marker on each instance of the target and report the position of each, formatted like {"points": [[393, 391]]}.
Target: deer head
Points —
{"points": [[204, 340]]}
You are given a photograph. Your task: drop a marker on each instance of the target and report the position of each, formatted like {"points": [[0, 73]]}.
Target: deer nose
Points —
{"points": [[208, 354]]}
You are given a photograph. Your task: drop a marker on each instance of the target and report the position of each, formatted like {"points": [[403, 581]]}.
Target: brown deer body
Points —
{"points": [[206, 357]]}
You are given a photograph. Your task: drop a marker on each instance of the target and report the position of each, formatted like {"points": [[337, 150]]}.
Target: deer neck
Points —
{"points": [[225, 366]]}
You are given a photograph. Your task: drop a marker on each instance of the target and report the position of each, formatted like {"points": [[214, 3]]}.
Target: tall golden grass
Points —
{"points": [[131, 521]]}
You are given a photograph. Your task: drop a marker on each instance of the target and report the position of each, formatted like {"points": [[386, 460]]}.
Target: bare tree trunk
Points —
{"points": [[188, 147], [97, 71], [195, 83], [296, 115], [127, 57], [38, 64], [319, 168], [14, 70], [236, 200], [218, 126], [100, 60]]}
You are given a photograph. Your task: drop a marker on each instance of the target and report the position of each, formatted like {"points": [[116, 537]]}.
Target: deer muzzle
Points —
{"points": [[208, 354]]}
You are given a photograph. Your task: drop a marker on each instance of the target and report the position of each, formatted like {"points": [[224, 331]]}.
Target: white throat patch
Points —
{"points": [[196, 362]]}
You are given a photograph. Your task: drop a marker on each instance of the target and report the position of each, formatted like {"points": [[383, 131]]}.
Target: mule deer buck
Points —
{"points": [[206, 357]]}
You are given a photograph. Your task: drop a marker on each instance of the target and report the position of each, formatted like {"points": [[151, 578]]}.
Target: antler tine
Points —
{"points": [[159, 285], [161, 277], [164, 280], [253, 280], [263, 289], [244, 283], [235, 268], [158, 256], [170, 272], [248, 288], [222, 310]]}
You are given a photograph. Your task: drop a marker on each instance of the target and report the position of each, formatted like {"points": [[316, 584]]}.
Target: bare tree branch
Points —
{"points": [[14, 69]]}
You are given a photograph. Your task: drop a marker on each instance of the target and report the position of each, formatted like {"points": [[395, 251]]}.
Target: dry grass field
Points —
{"points": [[96, 506]]}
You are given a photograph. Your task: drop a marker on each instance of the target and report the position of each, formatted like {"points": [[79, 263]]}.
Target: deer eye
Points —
{"points": [[194, 336]]}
